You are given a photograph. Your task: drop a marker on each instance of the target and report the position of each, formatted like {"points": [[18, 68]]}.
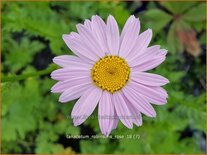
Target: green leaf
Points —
{"points": [[198, 26], [203, 38], [37, 23], [196, 14], [87, 9], [21, 53], [8, 131], [33, 121], [177, 7], [20, 116], [87, 147], [121, 15], [156, 19], [172, 40]]}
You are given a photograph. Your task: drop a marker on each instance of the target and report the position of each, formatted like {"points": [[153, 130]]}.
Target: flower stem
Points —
{"points": [[13, 78]]}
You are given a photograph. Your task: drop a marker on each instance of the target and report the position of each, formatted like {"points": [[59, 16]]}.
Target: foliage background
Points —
{"points": [[34, 122]]}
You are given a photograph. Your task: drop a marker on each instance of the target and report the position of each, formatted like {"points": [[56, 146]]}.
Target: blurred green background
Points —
{"points": [[34, 122]]}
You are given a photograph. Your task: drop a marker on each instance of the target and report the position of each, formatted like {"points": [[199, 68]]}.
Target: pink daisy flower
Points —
{"points": [[109, 70]]}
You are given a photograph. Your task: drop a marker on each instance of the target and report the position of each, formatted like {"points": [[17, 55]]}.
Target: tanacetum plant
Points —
{"points": [[110, 69]]}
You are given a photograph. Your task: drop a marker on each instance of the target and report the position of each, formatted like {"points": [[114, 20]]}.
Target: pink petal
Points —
{"points": [[149, 79], [73, 92], [106, 113], [149, 53], [138, 101], [149, 64], [149, 93], [89, 40], [115, 120], [99, 29], [136, 115], [68, 73], [162, 52], [162, 92], [87, 24], [62, 86], [129, 36], [112, 34], [77, 45], [129, 21], [70, 61], [122, 109], [85, 106], [142, 42]]}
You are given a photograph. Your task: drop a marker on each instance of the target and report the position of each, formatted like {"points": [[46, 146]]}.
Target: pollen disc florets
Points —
{"points": [[110, 73]]}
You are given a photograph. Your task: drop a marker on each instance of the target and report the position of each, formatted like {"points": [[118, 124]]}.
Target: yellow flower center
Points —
{"points": [[110, 73]]}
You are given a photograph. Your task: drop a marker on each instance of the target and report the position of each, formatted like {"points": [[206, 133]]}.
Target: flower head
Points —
{"points": [[109, 70]]}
